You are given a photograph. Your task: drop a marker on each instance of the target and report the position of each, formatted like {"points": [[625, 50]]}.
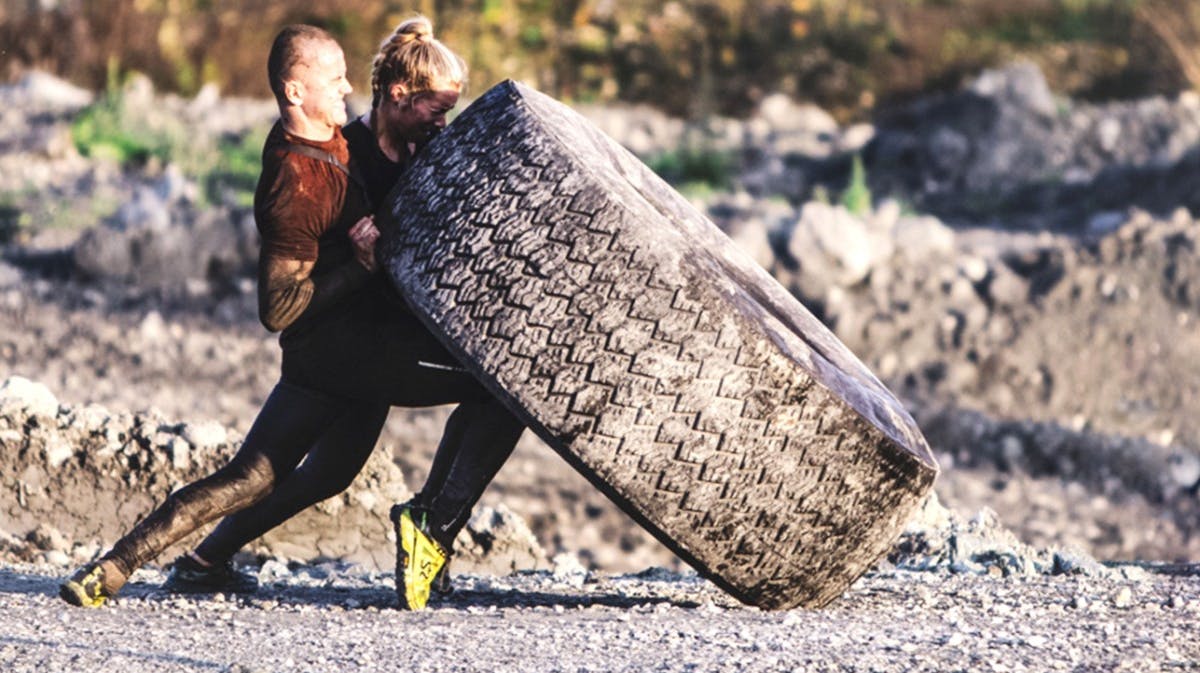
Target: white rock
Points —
{"points": [[1021, 82], [20, 394], [1108, 132], [1185, 468], [973, 268], [1123, 598], [57, 451], [180, 452], [569, 570], [886, 216], [152, 327], [56, 558], [10, 276], [751, 237], [42, 88], [90, 417], [830, 240], [920, 237], [366, 499], [49, 538], [856, 137], [206, 434], [785, 114]]}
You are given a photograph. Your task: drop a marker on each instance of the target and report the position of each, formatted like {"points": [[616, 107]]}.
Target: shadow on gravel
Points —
{"points": [[517, 599], [90, 652], [12, 582], [359, 598]]}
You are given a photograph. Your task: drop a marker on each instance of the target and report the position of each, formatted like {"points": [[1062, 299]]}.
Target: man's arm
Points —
{"points": [[287, 289], [292, 215]]}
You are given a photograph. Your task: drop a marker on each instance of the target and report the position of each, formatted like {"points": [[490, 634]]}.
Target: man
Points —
{"points": [[316, 263], [350, 350]]}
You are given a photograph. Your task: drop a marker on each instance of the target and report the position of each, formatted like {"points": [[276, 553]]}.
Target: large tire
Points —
{"points": [[660, 361]]}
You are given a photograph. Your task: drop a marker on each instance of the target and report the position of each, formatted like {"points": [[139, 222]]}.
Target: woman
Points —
{"points": [[415, 80], [343, 364]]}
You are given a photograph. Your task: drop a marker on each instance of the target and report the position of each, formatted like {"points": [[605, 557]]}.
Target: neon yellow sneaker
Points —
{"points": [[419, 557], [86, 588]]}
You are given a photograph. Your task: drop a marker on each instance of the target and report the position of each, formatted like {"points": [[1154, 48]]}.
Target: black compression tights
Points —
{"points": [[262, 486], [479, 438], [359, 371], [282, 434]]}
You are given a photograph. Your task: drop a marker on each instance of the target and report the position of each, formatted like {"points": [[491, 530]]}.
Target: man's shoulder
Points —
{"points": [[291, 152]]}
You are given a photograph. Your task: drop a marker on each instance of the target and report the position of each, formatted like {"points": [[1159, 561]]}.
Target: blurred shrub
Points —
{"points": [[1177, 26], [239, 160], [695, 168], [115, 129], [692, 57], [128, 126]]}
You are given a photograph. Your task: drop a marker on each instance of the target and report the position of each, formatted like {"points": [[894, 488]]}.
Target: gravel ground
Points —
{"points": [[336, 617]]}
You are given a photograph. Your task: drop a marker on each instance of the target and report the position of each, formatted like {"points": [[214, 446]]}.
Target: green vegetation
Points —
{"points": [[107, 129], [699, 169], [857, 197], [239, 161], [126, 130]]}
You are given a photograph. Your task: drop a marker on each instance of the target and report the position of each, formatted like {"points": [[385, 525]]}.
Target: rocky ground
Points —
{"points": [[328, 617], [1052, 364]]}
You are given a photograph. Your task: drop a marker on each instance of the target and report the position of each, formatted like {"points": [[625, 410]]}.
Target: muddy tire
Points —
{"points": [[659, 360]]}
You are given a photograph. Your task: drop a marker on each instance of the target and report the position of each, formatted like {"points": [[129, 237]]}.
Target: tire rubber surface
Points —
{"points": [[664, 364]]}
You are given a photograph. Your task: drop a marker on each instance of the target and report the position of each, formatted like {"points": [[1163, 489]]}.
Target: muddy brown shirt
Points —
{"points": [[303, 208]]}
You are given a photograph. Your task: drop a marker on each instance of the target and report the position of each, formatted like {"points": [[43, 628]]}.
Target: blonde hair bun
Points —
{"points": [[416, 28], [413, 56]]}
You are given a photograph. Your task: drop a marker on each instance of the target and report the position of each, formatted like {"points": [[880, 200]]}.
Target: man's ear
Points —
{"points": [[293, 91]]}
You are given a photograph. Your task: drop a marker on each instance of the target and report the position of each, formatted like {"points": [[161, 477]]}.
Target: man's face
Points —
{"points": [[325, 85], [425, 115]]}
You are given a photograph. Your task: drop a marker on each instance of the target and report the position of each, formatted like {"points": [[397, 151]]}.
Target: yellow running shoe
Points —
{"points": [[418, 557], [86, 587]]}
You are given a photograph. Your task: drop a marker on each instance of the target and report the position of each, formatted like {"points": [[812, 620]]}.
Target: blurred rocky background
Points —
{"points": [[992, 204]]}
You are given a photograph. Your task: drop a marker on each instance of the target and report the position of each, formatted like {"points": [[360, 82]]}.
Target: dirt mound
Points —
{"points": [[1006, 146], [79, 477]]}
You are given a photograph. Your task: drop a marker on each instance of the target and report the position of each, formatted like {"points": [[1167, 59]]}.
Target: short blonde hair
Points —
{"points": [[413, 56], [289, 51]]}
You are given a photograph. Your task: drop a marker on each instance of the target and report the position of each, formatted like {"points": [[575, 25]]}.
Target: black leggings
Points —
{"points": [[394, 359], [282, 434], [330, 406]]}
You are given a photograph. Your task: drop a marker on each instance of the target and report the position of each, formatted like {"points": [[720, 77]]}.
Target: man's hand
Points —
{"points": [[363, 235]]}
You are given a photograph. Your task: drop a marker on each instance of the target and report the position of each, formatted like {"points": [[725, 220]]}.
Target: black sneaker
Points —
{"points": [[189, 577], [441, 582]]}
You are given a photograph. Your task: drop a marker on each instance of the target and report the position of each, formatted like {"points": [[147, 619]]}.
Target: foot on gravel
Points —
{"points": [[419, 558], [189, 576], [92, 585]]}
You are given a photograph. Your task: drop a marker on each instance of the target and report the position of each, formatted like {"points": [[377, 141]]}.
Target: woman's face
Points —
{"points": [[416, 118]]}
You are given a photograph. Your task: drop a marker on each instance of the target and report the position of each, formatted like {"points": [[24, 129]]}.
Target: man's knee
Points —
{"points": [[241, 483]]}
